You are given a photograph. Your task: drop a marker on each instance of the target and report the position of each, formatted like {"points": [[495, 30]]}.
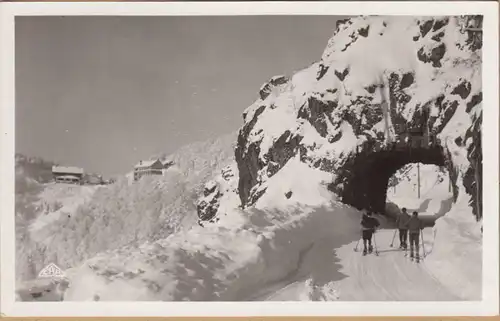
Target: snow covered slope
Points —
{"points": [[198, 161], [296, 243], [39, 203], [72, 223], [230, 260]]}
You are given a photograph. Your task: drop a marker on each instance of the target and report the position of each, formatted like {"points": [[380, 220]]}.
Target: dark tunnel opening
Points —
{"points": [[370, 173]]}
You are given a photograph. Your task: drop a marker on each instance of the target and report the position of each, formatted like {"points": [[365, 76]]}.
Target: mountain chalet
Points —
{"points": [[150, 167], [65, 174]]}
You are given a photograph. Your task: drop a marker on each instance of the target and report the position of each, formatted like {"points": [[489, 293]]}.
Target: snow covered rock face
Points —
{"points": [[379, 79], [207, 207], [223, 184], [273, 83]]}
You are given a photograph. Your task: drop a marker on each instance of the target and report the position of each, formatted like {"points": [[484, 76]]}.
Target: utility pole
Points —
{"points": [[418, 178]]}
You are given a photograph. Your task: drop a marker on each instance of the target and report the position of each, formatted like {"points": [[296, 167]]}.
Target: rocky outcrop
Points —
{"points": [[214, 190], [415, 98], [207, 208], [268, 87]]}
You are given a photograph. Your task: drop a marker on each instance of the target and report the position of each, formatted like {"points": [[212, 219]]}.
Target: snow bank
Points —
{"points": [[230, 260], [456, 256]]}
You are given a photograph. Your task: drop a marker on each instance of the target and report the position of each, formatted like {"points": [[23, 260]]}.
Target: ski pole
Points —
{"points": [[356, 248], [423, 245], [375, 243], [393, 237]]}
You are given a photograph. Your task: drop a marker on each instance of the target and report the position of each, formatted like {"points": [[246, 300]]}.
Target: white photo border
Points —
{"points": [[488, 306]]}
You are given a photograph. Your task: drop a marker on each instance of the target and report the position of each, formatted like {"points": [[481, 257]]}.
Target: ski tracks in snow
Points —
{"points": [[388, 277]]}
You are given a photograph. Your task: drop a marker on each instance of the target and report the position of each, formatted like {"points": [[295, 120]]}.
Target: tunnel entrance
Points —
{"points": [[371, 169]]}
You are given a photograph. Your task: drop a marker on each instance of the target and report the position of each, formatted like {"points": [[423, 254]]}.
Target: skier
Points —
{"points": [[415, 226], [368, 224], [401, 222]]}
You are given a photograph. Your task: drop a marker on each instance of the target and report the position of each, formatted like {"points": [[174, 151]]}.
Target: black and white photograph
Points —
{"points": [[244, 158]]}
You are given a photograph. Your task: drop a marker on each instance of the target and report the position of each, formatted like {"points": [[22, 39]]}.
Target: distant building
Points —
{"points": [[63, 174], [93, 179], [151, 167]]}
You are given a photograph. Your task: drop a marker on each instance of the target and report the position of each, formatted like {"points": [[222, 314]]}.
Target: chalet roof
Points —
{"points": [[67, 170], [167, 163], [146, 163]]}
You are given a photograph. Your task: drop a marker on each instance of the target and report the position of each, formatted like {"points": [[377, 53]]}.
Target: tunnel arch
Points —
{"points": [[366, 183]]}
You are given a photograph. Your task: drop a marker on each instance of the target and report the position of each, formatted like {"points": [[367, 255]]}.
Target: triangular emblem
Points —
{"points": [[50, 271]]}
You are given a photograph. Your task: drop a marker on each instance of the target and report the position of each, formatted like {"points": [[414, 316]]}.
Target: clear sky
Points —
{"points": [[105, 92]]}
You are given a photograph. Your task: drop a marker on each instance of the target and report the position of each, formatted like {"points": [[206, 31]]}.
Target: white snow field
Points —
{"points": [[299, 248]]}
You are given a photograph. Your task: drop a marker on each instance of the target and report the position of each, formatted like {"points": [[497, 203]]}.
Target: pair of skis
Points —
{"points": [[374, 250], [370, 252], [416, 259]]}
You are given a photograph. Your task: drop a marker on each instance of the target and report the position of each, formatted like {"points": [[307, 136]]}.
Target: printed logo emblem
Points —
{"points": [[51, 271]]}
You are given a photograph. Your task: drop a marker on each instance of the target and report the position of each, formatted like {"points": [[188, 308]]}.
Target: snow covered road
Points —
{"points": [[389, 276], [329, 273], [353, 277]]}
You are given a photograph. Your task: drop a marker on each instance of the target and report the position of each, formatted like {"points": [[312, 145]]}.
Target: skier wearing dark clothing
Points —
{"points": [[401, 222], [368, 224], [415, 226]]}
